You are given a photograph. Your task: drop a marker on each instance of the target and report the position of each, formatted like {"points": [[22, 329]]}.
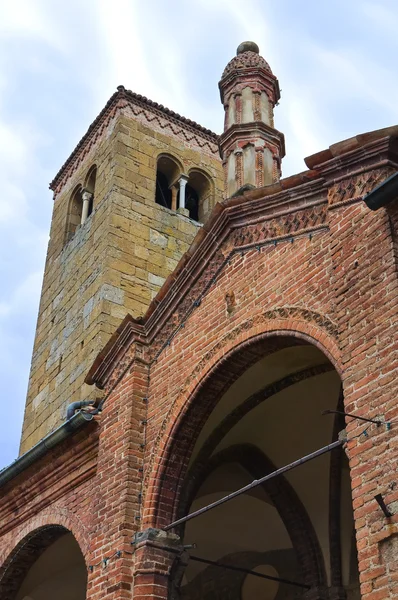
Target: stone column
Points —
{"points": [[86, 197], [174, 191], [183, 182]]}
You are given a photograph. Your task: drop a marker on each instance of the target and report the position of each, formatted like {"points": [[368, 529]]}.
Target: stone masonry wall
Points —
{"points": [[114, 264]]}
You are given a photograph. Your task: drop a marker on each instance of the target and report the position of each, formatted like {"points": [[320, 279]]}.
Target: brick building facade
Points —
{"points": [[210, 312]]}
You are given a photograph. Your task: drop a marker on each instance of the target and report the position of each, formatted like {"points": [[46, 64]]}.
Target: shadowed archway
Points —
{"points": [[46, 563]]}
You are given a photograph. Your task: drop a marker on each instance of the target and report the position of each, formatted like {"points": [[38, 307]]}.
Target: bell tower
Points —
{"points": [[251, 148], [127, 204]]}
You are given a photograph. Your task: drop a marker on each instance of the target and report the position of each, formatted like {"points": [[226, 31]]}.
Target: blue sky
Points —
{"points": [[60, 62]]}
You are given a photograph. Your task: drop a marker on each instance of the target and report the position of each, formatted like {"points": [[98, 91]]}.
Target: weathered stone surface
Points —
{"points": [[113, 265]]}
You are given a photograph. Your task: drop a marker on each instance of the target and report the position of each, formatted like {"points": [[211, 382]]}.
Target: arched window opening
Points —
{"points": [[163, 193], [166, 182], [88, 193], [192, 202], [74, 213], [198, 195]]}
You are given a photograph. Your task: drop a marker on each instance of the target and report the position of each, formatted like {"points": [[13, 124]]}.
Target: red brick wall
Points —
{"points": [[330, 280], [365, 286]]}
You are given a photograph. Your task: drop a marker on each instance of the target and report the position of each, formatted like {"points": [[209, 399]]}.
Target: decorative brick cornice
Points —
{"points": [[240, 133], [146, 109], [250, 75], [65, 467], [239, 226], [289, 208], [363, 152], [353, 188]]}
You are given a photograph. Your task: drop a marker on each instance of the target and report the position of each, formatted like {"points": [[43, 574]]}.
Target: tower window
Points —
{"points": [[167, 173], [88, 193], [192, 202], [176, 190], [163, 192], [81, 203], [74, 213], [198, 195]]}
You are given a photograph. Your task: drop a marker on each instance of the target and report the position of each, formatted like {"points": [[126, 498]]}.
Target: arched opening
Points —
{"points": [[89, 190], [259, 411], [192, 202], [47, 564], [198, 195], [75, 210], [167, 173]]}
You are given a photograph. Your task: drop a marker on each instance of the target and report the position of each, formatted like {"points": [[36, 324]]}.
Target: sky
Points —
{"points": [[61, 61]]}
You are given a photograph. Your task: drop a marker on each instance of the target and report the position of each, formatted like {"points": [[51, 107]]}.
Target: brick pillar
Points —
{"points": [[119, 483], [159, 556], [365, 288]]}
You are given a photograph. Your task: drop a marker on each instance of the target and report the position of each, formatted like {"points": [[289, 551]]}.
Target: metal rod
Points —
{"points": [[248, 572], [380, 500], [255, 483], [346, 414]]}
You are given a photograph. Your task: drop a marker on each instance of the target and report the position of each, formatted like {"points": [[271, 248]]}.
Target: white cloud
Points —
{"points": [[30, 19], [384, 16]]}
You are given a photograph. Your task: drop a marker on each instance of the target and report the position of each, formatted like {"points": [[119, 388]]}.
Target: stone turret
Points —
{"points": [[250, 147]]}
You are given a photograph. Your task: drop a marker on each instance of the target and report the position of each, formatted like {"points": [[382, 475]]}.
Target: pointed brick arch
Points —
{"points": [[205, 386], [284, 498]]}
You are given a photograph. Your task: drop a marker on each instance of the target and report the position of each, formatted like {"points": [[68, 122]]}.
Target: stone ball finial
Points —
{"points": [[247, 47]]}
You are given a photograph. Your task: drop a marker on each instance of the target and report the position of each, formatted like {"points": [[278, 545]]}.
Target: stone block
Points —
{"points": [[157, 238]]}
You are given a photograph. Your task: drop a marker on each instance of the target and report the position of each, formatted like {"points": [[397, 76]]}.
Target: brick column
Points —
{"points": [[159, 559], [119, 482], [365, 289]]}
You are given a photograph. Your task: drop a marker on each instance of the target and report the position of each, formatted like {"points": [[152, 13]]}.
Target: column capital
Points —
{"points": [[183, 179], [86, 195], [160, 538]]}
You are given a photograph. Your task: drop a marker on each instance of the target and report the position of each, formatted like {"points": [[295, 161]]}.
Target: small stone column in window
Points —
{"points": [[86, 197], [183, 182], [174, 191]]}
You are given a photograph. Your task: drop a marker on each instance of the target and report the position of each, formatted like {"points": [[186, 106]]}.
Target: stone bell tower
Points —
{"points": [[250, 147], [118, 230]]}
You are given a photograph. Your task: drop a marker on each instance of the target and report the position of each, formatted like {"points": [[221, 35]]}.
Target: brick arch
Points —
{"points": [[284, 498], [28, 546], [61, 518], [214, 373], [201, 461]]}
